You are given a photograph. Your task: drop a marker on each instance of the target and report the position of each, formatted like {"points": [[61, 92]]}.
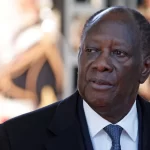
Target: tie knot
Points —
{"points": [[114, 131]]}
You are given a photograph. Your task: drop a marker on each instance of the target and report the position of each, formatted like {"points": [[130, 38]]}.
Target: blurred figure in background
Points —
{"points": [[144, 89], [36, 72], [144, 8]]}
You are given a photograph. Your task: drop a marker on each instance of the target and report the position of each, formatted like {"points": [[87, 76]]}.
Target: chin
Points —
{"points": [[98, 100], [102, 107]]}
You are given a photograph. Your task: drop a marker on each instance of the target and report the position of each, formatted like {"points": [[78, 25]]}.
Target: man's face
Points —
{"points": [[109, 66]]}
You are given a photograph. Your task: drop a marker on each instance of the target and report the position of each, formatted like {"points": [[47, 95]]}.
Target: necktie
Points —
{"points": [[114, 131]]}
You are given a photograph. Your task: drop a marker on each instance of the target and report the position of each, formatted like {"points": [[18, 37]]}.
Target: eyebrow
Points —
{"points": [[121, 43]]}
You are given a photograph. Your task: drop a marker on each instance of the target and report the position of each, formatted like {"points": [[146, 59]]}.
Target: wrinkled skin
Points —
{"points": [[110, 66]]}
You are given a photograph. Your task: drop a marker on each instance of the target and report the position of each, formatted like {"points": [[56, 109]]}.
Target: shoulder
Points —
{"points": [[39, 116], [33, 128], [26, 128]]}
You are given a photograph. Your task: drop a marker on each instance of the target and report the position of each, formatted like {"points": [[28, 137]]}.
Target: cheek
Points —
{"points": [[127, 74], [84, 64], [83, 67], [81, 82], [82, 73]]}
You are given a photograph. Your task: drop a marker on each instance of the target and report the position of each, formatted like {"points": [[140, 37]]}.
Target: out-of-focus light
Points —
{"points": [[6, 57], [98, 3], [45, 13], [27, 39], [48, 25], [44, 3]]}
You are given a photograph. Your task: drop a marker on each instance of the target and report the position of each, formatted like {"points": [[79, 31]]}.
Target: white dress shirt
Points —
{"points": [[101, 140]]}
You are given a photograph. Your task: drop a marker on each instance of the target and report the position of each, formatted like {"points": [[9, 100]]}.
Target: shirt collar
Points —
{"points": [[96, 123]]}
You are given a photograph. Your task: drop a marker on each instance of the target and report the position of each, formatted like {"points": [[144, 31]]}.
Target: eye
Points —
{"points": [[91, 50], [119, 53]]}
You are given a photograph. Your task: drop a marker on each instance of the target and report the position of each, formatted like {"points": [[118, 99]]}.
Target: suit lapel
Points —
{"points": [[84, 126], [65, 127], [143, 108], [70, 139]]}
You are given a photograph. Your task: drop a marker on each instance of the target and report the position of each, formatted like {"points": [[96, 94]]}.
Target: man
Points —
{"points": [[105, 113]]}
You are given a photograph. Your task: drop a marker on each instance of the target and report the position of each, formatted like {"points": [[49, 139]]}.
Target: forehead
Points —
{"points": [[115, 14], [116, 25], [117, 32]]}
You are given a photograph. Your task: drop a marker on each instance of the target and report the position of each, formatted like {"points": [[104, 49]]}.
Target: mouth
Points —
{"points": [[99, 84]]}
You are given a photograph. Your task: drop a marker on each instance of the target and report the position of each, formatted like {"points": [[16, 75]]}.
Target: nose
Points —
{"points": [[103, 63]]}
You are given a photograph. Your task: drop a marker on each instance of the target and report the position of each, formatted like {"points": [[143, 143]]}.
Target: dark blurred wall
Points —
{"points": [[59, 4], [140, 1]]}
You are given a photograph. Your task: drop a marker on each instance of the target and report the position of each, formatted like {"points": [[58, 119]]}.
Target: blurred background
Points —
{"points": [[39, 42]]}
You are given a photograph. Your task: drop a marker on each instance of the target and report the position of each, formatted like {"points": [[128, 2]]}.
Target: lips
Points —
{"points": [[100, 84], [100, 81]]}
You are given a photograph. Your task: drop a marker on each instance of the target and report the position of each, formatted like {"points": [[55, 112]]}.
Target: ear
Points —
{"points": [[145, 69], [79, 51]]}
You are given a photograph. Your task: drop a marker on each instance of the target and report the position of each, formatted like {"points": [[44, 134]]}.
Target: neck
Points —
{"points": [[118, 113]]}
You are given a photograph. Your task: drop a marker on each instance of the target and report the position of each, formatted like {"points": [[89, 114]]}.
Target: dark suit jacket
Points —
{"points": [[58, 127]]}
